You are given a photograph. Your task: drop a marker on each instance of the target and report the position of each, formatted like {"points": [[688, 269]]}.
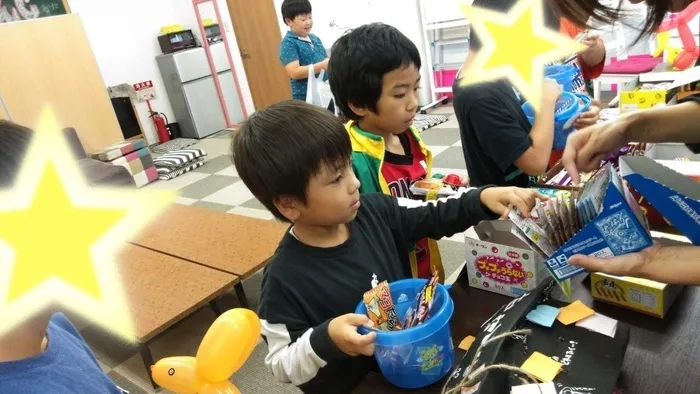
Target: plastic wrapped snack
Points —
{"points": [[424, 302], [432, 189], [532, 231], [380, 308]]}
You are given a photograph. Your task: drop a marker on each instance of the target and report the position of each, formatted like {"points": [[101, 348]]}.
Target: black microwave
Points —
{"points": [[178, 41]]}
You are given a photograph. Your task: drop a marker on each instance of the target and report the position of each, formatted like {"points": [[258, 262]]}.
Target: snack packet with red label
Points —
{"points": [[380, 308]]}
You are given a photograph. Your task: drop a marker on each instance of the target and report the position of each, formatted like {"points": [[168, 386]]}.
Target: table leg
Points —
{"points": [[215, 307], [148, 361], [240, 293]]}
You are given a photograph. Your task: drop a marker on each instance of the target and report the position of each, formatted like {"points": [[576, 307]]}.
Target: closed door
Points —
{"points": [[258, 35]]}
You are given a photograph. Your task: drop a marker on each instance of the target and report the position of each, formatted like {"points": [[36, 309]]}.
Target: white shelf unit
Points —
{"points": [[447, 45]]}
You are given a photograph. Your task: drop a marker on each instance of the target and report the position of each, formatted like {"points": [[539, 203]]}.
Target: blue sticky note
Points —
{"points": [[544, 315]]}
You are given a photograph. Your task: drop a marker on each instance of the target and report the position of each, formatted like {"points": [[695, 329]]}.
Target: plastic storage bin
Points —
{"points": [[422, 355], [568, 108]]}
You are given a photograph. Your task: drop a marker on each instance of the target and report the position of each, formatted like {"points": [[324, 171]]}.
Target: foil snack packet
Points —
{"points": [[380, 308]]}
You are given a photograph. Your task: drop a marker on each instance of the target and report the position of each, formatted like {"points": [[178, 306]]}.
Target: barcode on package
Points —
{"points": [[642, 297], [560, 268]]}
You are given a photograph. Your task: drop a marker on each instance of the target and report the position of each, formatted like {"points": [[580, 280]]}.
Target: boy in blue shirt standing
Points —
{"points": [[300, 49]]}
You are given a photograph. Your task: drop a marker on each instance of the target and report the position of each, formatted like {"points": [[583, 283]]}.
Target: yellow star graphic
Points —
{"points": [[515, 45], [58, 238]]}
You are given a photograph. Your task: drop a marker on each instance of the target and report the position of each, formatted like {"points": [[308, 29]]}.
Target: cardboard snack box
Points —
{"points": [[641, 295], [619, 228], [676, 196], [665, 152], [501, 262]]}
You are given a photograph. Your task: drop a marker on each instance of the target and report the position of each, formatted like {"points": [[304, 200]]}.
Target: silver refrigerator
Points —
{"points": [[192, 92]]}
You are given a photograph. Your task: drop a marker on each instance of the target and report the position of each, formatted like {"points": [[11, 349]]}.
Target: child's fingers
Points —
{"points": [[519, 202], [367, 350], [359, 341]]}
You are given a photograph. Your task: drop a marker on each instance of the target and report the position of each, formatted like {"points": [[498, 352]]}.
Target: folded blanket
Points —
{"points": [[167, 173], [178, 159]]}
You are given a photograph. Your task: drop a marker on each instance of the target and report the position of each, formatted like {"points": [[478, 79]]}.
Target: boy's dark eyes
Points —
{"points": [[337, 179]]}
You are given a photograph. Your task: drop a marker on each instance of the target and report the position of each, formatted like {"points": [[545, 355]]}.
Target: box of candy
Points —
{"points": [[502, 261]]}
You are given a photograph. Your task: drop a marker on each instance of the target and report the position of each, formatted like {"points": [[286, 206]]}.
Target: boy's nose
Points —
{"points": [[355, 185]]}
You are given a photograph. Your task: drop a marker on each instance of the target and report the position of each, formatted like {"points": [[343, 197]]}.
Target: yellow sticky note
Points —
{"points": [[542, 367], [466, 343], [574, 312]]}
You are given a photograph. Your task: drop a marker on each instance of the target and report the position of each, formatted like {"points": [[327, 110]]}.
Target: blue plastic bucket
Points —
{"points": [[422, 355], [564, 74], [568, 108]]}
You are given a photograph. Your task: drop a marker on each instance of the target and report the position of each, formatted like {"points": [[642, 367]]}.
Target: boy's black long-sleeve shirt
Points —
{"points": [[305, 287]]}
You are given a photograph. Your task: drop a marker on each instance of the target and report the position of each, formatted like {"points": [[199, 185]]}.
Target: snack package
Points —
{"points": [[556, 225], [558, 215], [546, 224], [532, 231], [417, 314], [380, 308], [571, 205], [431, 189], [566, 218]]}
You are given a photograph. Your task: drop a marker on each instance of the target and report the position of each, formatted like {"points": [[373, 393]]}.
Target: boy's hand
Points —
{"points": [[343, 332], [550, 91], [588, 118], [464, 180], [498, 199]]}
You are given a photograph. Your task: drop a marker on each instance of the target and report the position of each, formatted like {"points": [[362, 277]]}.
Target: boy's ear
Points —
{"points": [[288, 21], [359, 111], [289, 207]]}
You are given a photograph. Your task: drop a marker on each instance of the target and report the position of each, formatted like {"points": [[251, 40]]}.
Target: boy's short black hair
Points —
{"points": [[14, 141], [359, 60], [278, 149], [293, 8]]}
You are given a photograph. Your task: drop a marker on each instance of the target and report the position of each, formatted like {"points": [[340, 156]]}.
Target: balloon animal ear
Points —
{"points": [[228, 344]]}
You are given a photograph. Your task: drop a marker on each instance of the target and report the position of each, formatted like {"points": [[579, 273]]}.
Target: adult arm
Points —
{"points": [[675, 123], [666, 264]]}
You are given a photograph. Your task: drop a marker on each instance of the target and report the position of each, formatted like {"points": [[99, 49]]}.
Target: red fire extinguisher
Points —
{"points": [[160, 121]]}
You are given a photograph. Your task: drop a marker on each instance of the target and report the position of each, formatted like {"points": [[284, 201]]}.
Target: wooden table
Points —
{"points": [[230, 243], [663, 356], [162, 290]]}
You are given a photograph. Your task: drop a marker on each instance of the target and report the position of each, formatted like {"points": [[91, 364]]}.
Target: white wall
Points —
{"points": [[348, 14], [127, 54]]}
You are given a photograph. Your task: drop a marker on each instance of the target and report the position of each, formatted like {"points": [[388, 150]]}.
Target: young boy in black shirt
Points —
{"points": [[295, 158], [500, 145]]}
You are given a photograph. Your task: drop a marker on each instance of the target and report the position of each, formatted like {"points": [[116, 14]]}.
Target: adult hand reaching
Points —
{"points": [[586, 148], [665, 264]]}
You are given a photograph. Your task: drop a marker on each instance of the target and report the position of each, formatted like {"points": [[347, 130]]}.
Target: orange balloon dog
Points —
{"points": [[225, 348]]}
